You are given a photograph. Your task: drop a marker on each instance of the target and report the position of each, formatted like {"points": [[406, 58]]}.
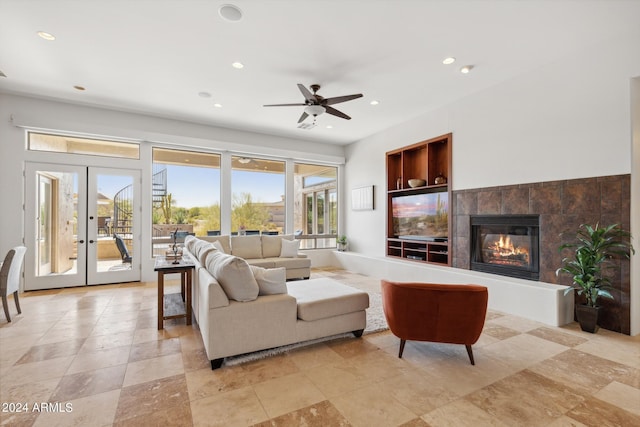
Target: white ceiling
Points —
{"points": [[156, 56]]}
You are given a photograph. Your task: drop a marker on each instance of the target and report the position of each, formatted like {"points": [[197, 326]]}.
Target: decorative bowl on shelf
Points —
{"points": [[413, 183]]}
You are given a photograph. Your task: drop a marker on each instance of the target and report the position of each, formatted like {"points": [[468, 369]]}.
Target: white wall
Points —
{"points": [[566, 120], [18, 113]]}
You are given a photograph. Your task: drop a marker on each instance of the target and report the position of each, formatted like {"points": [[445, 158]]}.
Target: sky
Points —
{"points": [[193, 186], [109, 185]]}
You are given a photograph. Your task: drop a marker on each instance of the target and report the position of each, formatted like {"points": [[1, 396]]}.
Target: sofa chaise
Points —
{"points": [[242, 308]]}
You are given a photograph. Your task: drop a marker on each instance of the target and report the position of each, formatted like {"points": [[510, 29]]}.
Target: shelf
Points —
{"points": [[174, 306], [429, 160], [404, 191], [430, 252]]}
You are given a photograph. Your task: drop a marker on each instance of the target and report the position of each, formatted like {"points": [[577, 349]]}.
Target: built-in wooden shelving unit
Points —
{"points": [[410, 235]]}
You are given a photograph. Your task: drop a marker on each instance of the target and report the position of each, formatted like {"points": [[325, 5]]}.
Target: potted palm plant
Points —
{"points": [[590, 267]]}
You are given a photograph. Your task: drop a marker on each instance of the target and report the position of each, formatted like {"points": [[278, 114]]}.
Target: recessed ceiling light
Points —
{"points": [[329, 127], [449, 60], [46, 36], [238, 65], [80, 88], [466, 69], [217, 105], [204, 94], [374, 102], [230, 12]]}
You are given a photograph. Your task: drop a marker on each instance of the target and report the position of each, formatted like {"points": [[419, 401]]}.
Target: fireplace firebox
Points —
{"points": [[506, 244]]}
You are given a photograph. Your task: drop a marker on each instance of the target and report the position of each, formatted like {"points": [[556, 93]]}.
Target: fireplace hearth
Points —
{"points": [[507, 245]]}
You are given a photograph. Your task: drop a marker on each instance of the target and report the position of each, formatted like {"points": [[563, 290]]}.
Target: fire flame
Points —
{"points": [[505, 248]]}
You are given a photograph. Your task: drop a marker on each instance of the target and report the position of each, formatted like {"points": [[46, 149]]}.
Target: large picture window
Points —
{"points": [[186, 195], [316, 205], [257, 188], [187, 198]]}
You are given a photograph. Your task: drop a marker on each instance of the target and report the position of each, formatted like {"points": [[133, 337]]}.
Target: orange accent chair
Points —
{"points": [[453, 314]]}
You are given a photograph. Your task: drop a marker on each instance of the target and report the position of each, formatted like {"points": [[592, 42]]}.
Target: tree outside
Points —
{"points": [[245, 214]]}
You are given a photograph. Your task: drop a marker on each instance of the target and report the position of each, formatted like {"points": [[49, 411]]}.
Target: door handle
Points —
{"points": [[80, 241], [90, 241]]}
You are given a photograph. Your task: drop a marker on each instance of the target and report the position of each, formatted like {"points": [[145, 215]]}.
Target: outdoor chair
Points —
{"points": [[181, 235], [104, 223], [10, 277], [122, 247]]}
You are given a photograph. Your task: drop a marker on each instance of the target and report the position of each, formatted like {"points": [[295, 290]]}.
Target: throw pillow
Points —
{"points": [[189, 241], [200, 248], [224, 241], [289, 248], [218, 246], [202, 256], [234, 275], [272, 246], [271, 281]]}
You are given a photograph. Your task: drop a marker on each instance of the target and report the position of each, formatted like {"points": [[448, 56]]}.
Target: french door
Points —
{"points": [[82, 226]]}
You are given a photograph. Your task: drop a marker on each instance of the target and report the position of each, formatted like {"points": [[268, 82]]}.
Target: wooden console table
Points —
{"points": [[172, 306]]}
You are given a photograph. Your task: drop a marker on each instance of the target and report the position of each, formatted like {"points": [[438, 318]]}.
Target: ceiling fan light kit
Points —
{"points": [[316, 105], [314, 110]]}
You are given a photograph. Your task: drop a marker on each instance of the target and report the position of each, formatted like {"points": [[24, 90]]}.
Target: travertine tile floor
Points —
{"points": [[96, 355]]}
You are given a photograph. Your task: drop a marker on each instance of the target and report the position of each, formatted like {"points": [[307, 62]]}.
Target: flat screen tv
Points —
{"points": [[421, 216]]}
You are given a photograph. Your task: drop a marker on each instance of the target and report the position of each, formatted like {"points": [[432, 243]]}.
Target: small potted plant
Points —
{"points": [[342, 243], [590, 267]]}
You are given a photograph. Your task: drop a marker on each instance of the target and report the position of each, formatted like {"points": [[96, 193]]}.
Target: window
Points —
{"points": [[316, 205], [258, 188], [186, 195], [74, 145]]}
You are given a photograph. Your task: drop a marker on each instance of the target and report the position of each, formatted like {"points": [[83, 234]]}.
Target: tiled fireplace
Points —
{"points": [[561, 207]]}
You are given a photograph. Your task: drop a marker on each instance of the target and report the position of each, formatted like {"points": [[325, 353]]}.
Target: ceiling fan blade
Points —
{"points": [[307, 95], [334, 112], [284, 105], [302, 117], [338, 99]]}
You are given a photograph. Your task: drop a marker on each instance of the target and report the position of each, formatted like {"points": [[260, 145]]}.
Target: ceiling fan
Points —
{"points": [[315, 104]]}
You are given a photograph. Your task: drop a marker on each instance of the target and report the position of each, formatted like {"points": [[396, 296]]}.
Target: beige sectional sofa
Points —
{"points": [[266, 252], [241, 308]]}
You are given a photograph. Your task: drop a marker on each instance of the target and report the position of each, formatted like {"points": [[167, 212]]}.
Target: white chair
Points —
{"points": [[10, 277]]}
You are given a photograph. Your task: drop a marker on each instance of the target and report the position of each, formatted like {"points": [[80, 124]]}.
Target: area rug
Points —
{"points": [[375, 322]]}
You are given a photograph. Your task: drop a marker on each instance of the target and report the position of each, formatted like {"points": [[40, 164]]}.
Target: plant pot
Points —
{"points": [[342, 247], [587, 317]]}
